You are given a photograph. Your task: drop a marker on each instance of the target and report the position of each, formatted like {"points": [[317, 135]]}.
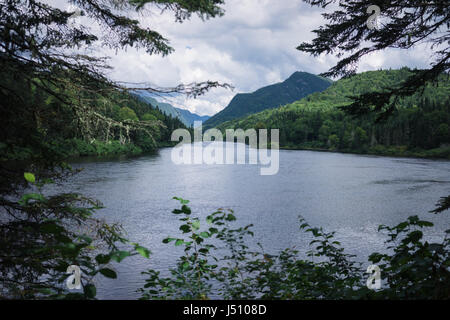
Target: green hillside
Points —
{"points": [[316, 121], [297, 86], [165, 108], [62, 129], [191, 117], [185, 116]]}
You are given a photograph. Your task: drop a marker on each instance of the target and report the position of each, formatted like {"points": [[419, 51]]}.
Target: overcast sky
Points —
{"points": [[251, 46]]}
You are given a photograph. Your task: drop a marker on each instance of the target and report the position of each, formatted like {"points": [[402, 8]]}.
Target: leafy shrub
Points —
{"points": [[41, 236], [218, 263]]}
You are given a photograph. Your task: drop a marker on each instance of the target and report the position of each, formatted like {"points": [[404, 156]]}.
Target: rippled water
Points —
{"points": [[349, 194]]}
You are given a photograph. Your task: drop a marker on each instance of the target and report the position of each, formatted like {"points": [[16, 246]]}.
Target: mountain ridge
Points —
{"points": [[191, 117], [184, 115], [298, 85], [317, 122]]}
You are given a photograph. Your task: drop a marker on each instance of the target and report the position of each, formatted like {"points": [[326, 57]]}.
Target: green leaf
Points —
{"points": [[213, 230], [185, 228], [143, 251], [118, 256], [415, 236], [51, 228], [90, 291], [47, 291], [425, 224], [108, 273], [167, 240], [230, 217], [199, 240], [85, 238], [204, 234], [29, 177], [31, 196], [185, 266], [304, 225], [196, 224], [103, 258], [48, 181], [179, 242], [402, 225], [182, 201], [185, 209], [375, 257]]}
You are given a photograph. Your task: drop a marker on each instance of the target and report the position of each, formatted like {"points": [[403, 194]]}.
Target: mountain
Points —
{"points": [[297, 86], [191, 117], [185, 116], [419, 127], [167, 108]]}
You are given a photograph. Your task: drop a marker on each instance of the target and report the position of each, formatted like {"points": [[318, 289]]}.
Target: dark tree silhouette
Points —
{"points": [[44, 69], [403, 24]]}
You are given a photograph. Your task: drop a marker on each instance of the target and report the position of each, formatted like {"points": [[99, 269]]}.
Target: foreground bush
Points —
{"points": [[412, 268], [42, 235]]}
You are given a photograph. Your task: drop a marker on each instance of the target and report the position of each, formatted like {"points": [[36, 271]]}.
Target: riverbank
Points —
{"points": [[78, 148], [114, 148], [392, 151]]}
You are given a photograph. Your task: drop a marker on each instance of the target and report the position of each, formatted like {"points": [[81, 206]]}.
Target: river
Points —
{"points": [[349, 194]]}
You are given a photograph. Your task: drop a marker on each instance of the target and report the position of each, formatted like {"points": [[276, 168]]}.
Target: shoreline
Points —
{"points": [[422, 154], [405, 154]]}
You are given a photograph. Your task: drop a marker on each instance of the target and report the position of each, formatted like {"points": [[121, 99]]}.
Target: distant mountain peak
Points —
{"points": [[297, 86], [298, 74], [184, 115], [191, 117]]}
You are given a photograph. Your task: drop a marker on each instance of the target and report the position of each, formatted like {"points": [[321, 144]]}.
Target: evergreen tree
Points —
{"points": [[404, 25], [47, 81]]}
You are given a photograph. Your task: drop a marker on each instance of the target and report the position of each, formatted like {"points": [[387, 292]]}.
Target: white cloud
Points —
{"points": [[252, 45]]}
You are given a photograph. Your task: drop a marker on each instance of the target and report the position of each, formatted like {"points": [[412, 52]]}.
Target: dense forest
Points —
{"points": [[133, 126], [57, 102], [420, 127], [297, 86]]}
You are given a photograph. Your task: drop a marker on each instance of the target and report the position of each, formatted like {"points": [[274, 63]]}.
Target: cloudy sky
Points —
{"points": [[251, 46]]}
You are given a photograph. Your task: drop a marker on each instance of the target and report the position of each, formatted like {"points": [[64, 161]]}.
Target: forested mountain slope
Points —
{"points": [[297, 86], [185, 116], [422, 121], [132, 126], [191, 117]]}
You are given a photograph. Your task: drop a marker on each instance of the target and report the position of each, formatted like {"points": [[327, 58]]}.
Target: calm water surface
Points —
{"points": [[349, 194]]}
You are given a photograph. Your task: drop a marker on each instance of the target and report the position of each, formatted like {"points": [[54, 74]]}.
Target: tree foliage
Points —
{"points": [[56, 98], [418, 127], [220, 261], [404, 24], [42, 235], [297, 86]]}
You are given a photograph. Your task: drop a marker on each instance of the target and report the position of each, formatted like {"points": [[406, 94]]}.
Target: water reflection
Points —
{"points": [[350, 194]]}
